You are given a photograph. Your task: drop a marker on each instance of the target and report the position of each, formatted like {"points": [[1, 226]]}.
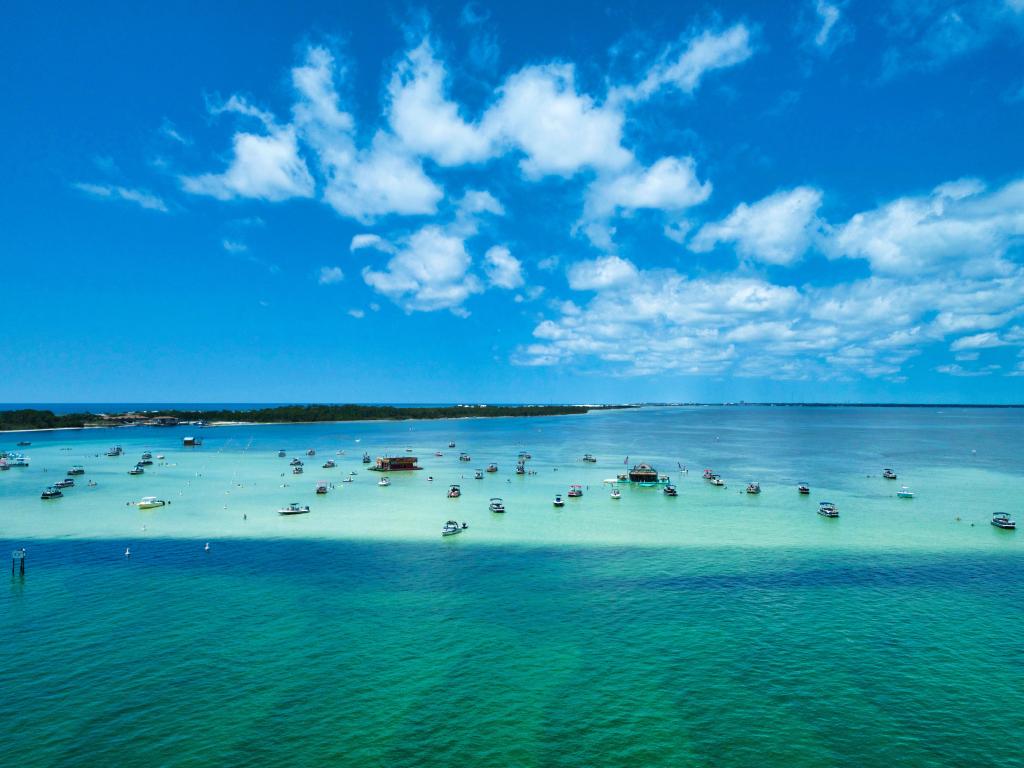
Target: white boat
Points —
{"points": [[716, 480], [150, 502], [136, 470], [496, 505], [67, 482], [384, 481], [78, 469], [451, 444], [616, 493], [478, 475], [559, 501], [803, 489], [828, 509], [452, 527], [51, 493], [888, 474], [575, 491], [1004, 521], [904, 493], [670, 490], [294, 509], [454, 492], [754, 488]]}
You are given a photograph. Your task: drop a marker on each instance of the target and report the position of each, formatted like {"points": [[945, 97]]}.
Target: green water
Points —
{"points": [[710, 629]]}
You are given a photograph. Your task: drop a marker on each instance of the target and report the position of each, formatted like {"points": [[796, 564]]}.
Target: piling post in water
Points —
{"points": [[18, 557]]}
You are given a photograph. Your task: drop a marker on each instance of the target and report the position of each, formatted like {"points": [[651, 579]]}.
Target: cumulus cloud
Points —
{"points": [[776, 230], [330, 275], [503, 270], [600, 273], [370, 240], [358, 314], [140, 197], [977, 341]]}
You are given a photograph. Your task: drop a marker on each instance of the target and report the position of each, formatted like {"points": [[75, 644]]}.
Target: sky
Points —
{"points": [[819, 200]]}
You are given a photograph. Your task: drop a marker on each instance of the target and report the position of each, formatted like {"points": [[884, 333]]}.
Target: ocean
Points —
{"points": [[713, 628]]}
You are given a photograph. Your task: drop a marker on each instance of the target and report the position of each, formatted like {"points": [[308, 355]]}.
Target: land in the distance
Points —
{"points": [[33, 419]]}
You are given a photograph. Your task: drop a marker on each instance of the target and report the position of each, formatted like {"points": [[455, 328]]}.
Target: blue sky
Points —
{"points": [[816, 200]]}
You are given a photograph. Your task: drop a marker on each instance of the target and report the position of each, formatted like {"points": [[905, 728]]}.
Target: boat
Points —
{"points": [[51, 493], [616, 493], [191, 442], [408, 449], [575, 491], [708, 474], [395, 464], [465, 457], [478, 475], [294, 509], [1004, 521], [589, 458], [803, 489], [311, 452], [136, 470], [296, 462], [888, 474], [23, 443], [496, 505], [144, 462], [160, 456], [524, 455], [384, 482], [645, 474], [452, 527], [330, 464], [904, 493], [18, 460], [670, 490], [4, 466], [117, 450], [147, 455], [297, 469], [346, 480], [520, 468], [321, 489], [716, 480], [366, 458], [451, 443], [438, 454], [828, 509], [67, 482], [754, 488], [281, 454], [492, 467], [150, 502], [454, 492], [76, 470], [559, 501]]}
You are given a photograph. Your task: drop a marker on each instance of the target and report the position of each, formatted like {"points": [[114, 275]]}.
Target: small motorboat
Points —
{"points": [[520, 468], [117, 450], [708, 474], [452, 527], [23, 443], [136, 470], [496, 505], [754, 488], [384, 482], [296, 462], [590, 459], [478, 475], [280, 454], [523, 456], [438, 454], [888, 474], [147, 455], [670, 490], [803, 489], [294, 509], [160, 456], [346, 479], [465, 457], [575, 491], [144, 462], [76, 470], [311, 452], [559, 501], [1004, 521], [904, 493], [454, 492], [716, 480], [451, 443], [492, 467], [616, 493], [321, 489], [67, 482], [828, 509], [297, 469], [330, 464], [51, 493], [150, 502]]}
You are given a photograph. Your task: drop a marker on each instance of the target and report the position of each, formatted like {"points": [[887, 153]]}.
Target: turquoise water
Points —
{"points": [[710, 629]]}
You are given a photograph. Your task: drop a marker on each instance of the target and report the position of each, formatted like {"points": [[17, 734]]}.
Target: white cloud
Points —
{"points": [[234, 246], [369, 240], [424, 119], [560, 131], [977, 341], [829, 15], [704, 53], [958, 223], [600, 273], [140, 197], [330, 275], [777, 229], [358, 314], [502, 268], [670, 184]]}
